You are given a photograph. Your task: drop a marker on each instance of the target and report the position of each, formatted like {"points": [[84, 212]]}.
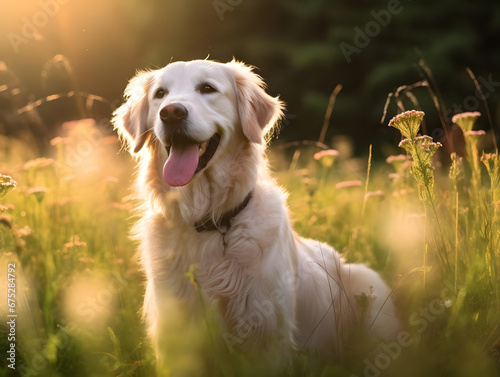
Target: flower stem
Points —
{"points": [[367, 179]]}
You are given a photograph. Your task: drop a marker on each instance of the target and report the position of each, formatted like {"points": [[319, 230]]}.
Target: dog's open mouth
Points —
{"points": [[187, 157]]}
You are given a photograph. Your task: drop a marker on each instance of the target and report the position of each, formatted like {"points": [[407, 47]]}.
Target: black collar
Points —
{"points": [[206, 224]]}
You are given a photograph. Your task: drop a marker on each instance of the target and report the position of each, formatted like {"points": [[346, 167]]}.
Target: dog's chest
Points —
{"points": [[191, 260]]}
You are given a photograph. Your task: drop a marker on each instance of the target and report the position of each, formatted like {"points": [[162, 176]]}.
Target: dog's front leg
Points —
{"points": [[257, 303], [176, 330]]}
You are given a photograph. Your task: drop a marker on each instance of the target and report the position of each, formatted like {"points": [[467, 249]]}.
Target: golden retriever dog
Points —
{"points": [[210, 208]]}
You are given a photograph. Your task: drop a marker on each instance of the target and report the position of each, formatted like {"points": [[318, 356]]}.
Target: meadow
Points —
{"points": [[431, 227]]}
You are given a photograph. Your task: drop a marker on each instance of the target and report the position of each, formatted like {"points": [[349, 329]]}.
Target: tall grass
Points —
{"points": [[66, 227], [79, 290]]}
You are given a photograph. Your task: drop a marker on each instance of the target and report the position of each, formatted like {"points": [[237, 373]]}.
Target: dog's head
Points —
{"points": [[196, 110]]}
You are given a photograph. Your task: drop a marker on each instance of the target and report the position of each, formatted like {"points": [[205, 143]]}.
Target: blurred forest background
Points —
{"points": [[299, 47]]}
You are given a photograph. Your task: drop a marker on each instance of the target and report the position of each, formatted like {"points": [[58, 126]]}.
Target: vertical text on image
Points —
{"points": [[11, 316]]}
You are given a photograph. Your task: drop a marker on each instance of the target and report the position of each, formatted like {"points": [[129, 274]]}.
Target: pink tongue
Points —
{"points": [[181, 164]]}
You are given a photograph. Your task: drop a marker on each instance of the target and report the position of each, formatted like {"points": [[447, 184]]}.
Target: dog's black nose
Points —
{"points": [[172, 114]]}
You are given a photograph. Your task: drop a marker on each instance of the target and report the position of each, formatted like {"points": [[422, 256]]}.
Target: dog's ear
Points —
{"points": [[130, 119], [258, 111]]}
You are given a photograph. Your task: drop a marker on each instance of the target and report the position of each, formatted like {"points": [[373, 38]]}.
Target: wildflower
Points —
{"points": [[402, 192], [397, 158], [400, 162], [81, 123], [25, 231], [466, 120], [420, 148], [492, 163], [60, 140], [456, 168], [41, 162], [3, 208], [474, 133], [6, 184], [406, 144], [471, 144], [422, 171], [374, 193], [408, 123], [424, 143], [395, 176], [38, 193], [344, 184], [75, 242], [326, 157], [427, 144]]}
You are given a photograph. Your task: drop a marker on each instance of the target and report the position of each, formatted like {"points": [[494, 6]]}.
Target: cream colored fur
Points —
{"points": [[269, 284]]}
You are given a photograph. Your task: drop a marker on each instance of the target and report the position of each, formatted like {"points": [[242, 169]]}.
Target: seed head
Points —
{"points": [[38, 163], [425, 142], [326, 157], [397, 158], [466, 120], [406, 144], [345, 184], [6, 184], [408, 123], [475, 133], [38, 193], [492, 163]]}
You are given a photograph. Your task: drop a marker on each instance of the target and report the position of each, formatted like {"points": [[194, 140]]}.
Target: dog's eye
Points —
{"points": [[160, 93], [205, 88]]}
